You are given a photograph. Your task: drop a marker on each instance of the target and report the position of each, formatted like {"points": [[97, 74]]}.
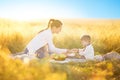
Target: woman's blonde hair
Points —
{"points": [[53, 23]]}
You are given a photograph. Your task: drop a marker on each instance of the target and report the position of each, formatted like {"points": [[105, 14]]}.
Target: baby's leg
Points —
{"points": [[112, 55]]}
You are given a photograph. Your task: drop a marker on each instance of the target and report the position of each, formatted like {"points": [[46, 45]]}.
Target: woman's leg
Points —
{"points": [[42, 52]]}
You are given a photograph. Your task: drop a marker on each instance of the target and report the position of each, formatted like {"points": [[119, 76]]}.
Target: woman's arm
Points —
{"points": [[53, 49]]}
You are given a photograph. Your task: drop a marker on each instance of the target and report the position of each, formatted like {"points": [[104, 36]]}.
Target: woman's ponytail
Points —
{"points": [[50, 22], [53, 23], [49, 25]]}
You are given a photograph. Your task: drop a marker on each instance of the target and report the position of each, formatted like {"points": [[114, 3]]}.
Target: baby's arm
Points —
{"points": [[81, 51], [74, 50]]}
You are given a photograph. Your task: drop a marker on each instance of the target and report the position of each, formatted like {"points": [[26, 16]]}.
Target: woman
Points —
{"points": [[45, 37]]}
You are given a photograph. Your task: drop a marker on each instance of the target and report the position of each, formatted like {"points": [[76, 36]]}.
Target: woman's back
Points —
{"points": [[39, 40]]}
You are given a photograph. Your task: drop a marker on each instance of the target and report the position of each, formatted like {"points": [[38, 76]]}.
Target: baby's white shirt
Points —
{"points": [[88, 52]]}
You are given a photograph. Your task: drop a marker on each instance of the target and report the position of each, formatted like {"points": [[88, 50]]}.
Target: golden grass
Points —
{"points": [[15, 35], [105, 34]]}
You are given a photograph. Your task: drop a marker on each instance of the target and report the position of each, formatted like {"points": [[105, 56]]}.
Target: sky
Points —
{"points": [[42, 9]]}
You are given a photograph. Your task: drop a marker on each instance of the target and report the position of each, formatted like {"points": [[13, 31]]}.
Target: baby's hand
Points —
{"points": [[75, 50], [68, 50], [81, 50]]}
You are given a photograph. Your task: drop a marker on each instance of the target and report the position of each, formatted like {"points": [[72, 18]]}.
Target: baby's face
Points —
{"points": [[85, 43]]}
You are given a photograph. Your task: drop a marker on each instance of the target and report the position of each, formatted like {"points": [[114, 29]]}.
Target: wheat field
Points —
{"points": [[15, 35]]}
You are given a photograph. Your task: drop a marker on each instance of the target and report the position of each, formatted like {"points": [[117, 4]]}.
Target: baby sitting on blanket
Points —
{"points": [[88, 51]]}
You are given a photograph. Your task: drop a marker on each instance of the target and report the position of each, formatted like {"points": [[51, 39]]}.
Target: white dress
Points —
{"points": [[41, 40]]}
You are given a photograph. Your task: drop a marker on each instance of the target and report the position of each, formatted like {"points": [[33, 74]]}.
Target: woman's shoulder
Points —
{"points": [[42, 31], [45, 32]]}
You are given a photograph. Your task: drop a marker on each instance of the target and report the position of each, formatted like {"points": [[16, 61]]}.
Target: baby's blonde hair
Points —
{"points": [[86, 38]]}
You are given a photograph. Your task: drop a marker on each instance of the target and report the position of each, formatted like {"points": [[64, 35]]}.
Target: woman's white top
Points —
{"points": [[88, 52], [41, 40]]}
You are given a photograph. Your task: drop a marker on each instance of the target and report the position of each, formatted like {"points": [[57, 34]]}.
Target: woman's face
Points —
{"points": [[56, 29]]}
